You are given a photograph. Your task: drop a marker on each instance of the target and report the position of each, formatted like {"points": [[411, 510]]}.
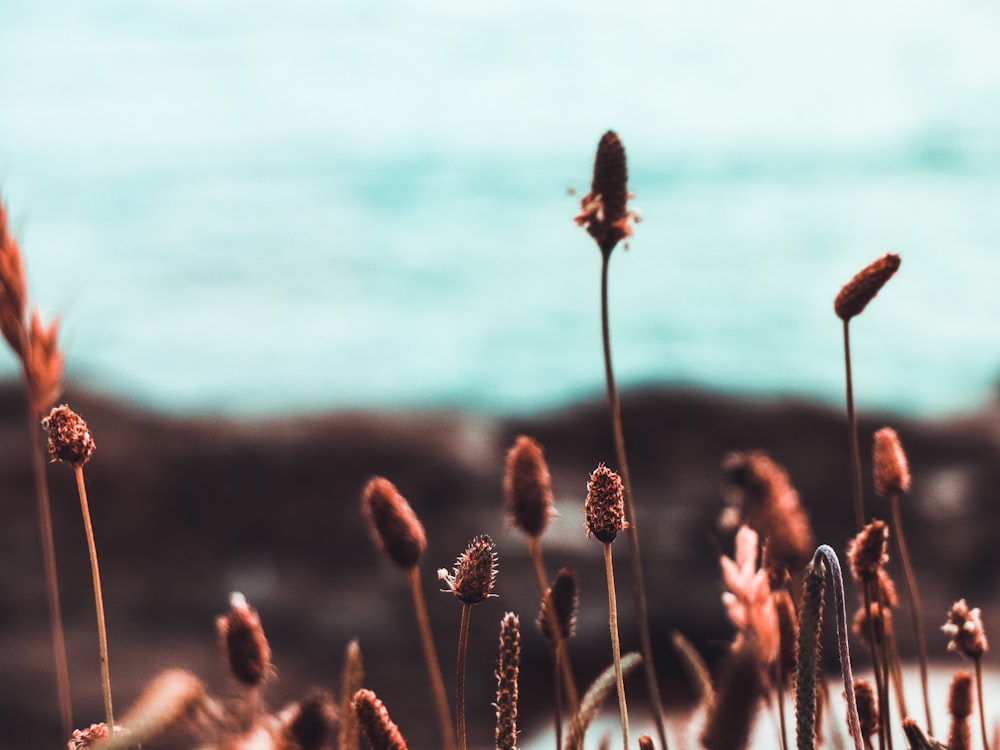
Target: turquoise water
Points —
{"points": [[258, 206]]}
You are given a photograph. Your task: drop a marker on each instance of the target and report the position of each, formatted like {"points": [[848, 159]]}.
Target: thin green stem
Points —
{"points": [[463, 646], [102, 633], [852, 434], [445, 726], [638, 577], [51, 576], [615, 645]]}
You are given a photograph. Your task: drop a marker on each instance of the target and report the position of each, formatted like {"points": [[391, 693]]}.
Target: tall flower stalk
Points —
{"points": [[604, 213]]}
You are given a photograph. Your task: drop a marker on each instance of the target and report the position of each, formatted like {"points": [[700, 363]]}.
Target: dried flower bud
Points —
{"points": [[868, 551], [864, 697], [965, 629], [559, 606], [959, 709], [475, 571], [507, 669], [394, 525], [527, 487], [311, 721], [646, 742], [860, 290], [892, 472], [243, 642], [373, 718], [84, 738], [69, 438], [604, 509], [604, 210]]}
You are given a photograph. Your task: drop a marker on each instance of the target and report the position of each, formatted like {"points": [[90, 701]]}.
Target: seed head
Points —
{"points": [[959, 709], [864, 697], [507, 671], [475, 571], [84, 738], [69, 439], [243, 642], [560, 602], [394, 526], [311, 721], [868, 551], [13, 288], [43, 365], [527, 487], [604, 509], [965, 629], [373, 718], [859, 291], [646, 742], [892, 472], [604, 210]]}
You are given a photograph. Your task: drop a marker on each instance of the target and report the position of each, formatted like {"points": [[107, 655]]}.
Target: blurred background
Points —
{"points": [[296, 244]]}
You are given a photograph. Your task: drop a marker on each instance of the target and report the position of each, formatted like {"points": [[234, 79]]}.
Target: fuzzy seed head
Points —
{"points": [[965, 630], [959, 709], [604, 210], [891, 469], [604, 509], [559, 606], [84, 738], [507, 672], [646, 742], [527, 487], [860, 290], [312, 720], [244, 644], [864, 697], [393, 524], [475, 571], [373, 719], [69, 439], [868, 551]]}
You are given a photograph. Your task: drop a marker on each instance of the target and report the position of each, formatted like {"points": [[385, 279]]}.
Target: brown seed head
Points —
{"points": [[375, 724], [604, 210], [84, 738], [527, 487], [69, 439], [507, 671], [859, 291], [965, 629], [311, 722], [864, 697], [13, 288], [43, 365], [243, 642], [892, 472], [880, 619], [604, 509], [959, 709], [475, 571], [394, 526], [563, 599], [351, 681], [646, 742], [868, 551]]}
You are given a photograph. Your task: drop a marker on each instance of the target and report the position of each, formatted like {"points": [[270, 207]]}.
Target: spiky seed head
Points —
{"points": [[604, 509], [964, 628], [69, 439], [243, 642], [393, 524], [868, 551], [527, 487], [475, 571], [311, 721], [864, 697], [604, 210], [84, 738], [860, 290], [891, 469], [560, 602], [508, 665], [373, 719]]}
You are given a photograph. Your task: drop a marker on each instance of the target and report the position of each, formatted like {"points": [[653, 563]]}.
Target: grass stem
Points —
{"points": [[430, 658], [852, 434], [979, 693], [463, 646], [615, 645]]}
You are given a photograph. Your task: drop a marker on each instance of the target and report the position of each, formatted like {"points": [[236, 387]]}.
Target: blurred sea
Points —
{"points": [[255, 207]]}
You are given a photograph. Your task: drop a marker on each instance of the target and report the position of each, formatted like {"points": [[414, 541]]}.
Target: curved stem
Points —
{"points": [[463, 644], [638, 578], [51, 577], [430, 658], [852, 435], [615, 645], [102, 633]]}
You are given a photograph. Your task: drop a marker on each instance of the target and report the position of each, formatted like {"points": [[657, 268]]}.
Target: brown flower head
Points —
{"points": [[604, 509], [892, 472], [604, 210], [965, 629], [859, 291], [527, 487], [243, 642], [475, 571], [311, 721], [69, 439], [879, 618], [13, 288], [43, 365], [646, 742], [559, 607], [375, 724], [394, 525], [508, 665], [864, 697], [84, 738], [868, 551], [959, 709]]}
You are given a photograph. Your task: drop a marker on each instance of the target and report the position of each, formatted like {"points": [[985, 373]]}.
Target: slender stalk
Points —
{"points": [[463, 644], [852, 434], [565, 669], [880, 689], [445, 725], [102, 633], [638, 578], [51, 577], [780, 682], [979, 693], [915, 608], [615, 645]]}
